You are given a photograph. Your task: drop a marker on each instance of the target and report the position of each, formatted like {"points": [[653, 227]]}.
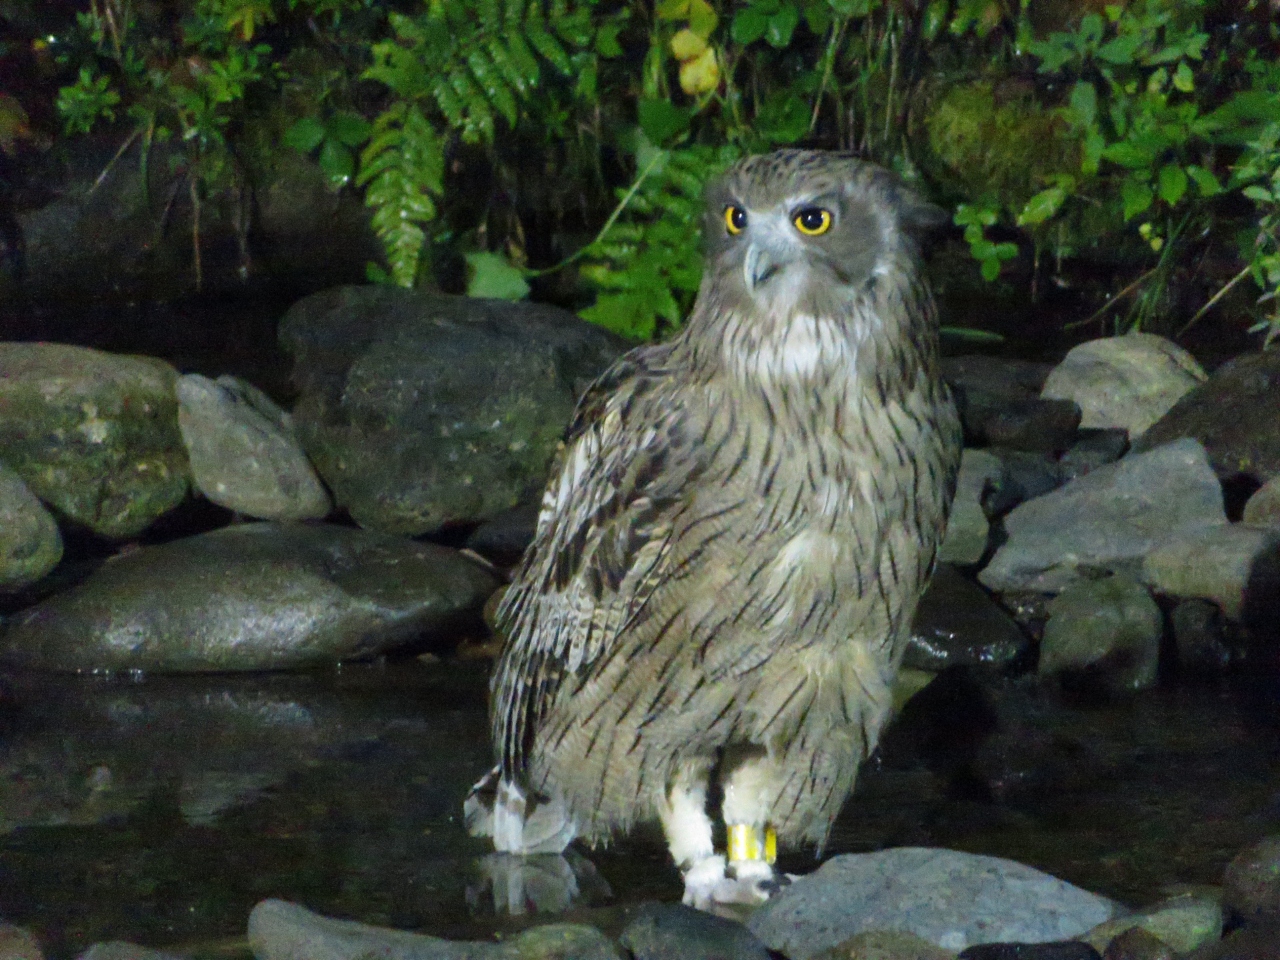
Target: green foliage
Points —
{"points": [[1258, 175]]}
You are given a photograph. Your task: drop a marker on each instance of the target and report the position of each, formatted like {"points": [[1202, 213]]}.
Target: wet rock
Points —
{"points": [[119, 950], [92, 434], [243, 452], [1137, 944], [1128, 382], [1223, 564], [1094, 449], [1110, 628], [1182, 924], [668, 931], [422, 411], [1252, 943], [1251, 886], [285, 931], [1030, 951], [968, 528], [886, 945], [950, 899], [1235, 414], [1263, 508], [1023, 476], [18, 944], [504, 538], [958, 625], [251, 597], [998, 419], [30, 544], [1001, 375], [1108, 519], [1199, 636]]}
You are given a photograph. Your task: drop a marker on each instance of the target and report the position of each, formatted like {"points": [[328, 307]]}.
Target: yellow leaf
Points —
{"points": [[700, 75], [687, 45]]}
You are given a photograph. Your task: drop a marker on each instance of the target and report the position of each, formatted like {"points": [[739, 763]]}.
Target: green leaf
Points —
{"points": [[305, 135], [1136, 196], [1260, 194], [493, 275], [935, 18], [749, 25], [1129, 155], [662, 120], [1120, 50], [782, 25], [783, 118], [1084, 103], [337, 162], [1173, 183], [1042, 206], [1205, 181], [1094, 146], [607, 44], [1183, 78], [990, 269]]}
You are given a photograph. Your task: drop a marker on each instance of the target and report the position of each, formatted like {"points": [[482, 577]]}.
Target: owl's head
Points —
{"points": [[796, 229]]}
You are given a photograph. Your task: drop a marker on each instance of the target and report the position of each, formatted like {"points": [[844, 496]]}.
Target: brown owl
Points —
{"points": [[734, 540]]}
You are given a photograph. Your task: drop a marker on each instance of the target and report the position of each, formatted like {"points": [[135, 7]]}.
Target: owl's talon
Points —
{"points": [[749, 882], [702, 881]]}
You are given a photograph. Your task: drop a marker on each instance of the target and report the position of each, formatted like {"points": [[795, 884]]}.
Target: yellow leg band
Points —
{"points": [[746, 843]]}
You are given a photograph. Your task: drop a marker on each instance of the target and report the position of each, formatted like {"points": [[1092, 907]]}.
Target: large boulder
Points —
{"points": [[423, 411], [1128, 382], [1235, 414], [243, 451], [30, 544], [92, 434], [257, 596], [1108, 519]]}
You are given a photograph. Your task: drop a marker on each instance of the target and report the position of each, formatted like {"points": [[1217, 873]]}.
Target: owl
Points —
{"points": [[733, 542]]}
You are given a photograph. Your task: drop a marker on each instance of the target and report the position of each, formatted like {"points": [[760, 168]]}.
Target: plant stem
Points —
{"points": [[1215, 298], [1097, 314]]}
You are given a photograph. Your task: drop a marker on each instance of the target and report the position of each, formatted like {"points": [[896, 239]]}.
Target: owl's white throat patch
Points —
{"points": [[803, 348]]}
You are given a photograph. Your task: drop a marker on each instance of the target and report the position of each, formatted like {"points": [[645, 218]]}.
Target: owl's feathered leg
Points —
{"points": [[687, 827], [750, 784]]}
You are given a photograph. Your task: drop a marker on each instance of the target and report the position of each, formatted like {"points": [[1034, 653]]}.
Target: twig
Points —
{"points": [[837, 30], [1110, 303], [137, 131], [1215, 298]]}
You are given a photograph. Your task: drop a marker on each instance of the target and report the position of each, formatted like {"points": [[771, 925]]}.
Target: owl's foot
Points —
{"points": [[710, 883]]}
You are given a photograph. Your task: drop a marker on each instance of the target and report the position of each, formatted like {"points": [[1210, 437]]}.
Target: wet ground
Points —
{"points": [[161, 810]]}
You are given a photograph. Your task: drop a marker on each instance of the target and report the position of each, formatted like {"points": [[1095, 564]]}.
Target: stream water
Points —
{"points": [[160, 810]]}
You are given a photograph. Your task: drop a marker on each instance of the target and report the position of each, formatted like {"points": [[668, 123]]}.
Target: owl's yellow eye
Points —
{"points": [[735, 219], [813, 221]]}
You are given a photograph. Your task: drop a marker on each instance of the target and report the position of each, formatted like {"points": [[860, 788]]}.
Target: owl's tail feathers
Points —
{"points": [[517, 820]]}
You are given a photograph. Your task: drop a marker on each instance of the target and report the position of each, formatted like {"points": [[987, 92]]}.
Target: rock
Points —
{"points": [[1003, 375], [92, 434], [504, 538], [118, 950], [1023, 476], [957, 624], [1225, 564], [1030, 951], [243, 453], [30, 544], [1235, 414], [285, 931], [1251, 886], [967, 530], [1137, 944], [999, 419], [950, 899], [885, 945], [1110, 627], [1252, 943], [422, 411], [1263, 508], [1108, 519], [18, 944], [1128, 382], [1095, 448], [250, 597], [1182, 923], [1199, 636], [668, 931]]}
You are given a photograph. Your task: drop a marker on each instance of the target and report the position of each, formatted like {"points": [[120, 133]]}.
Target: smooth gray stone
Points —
{"points": [[243, 452], [260, 596], [30, 543], [1107, 520], [949, 898], [957, 624], [1110, 627], [671, 931]]}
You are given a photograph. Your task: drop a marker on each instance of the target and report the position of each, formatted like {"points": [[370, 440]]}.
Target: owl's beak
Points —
{"points": [[764, 259]]}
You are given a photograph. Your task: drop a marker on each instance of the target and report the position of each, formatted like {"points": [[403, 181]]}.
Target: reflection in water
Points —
{"points": [[162, 810]]}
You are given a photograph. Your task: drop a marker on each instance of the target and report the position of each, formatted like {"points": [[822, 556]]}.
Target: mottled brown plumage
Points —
{"points": [[734, 539]]}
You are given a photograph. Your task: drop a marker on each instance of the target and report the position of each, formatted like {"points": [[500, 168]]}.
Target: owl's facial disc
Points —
{"points": [[772, 250]]}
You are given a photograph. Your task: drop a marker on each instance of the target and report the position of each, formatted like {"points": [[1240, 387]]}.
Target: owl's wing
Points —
{"points": [[602, 544]]}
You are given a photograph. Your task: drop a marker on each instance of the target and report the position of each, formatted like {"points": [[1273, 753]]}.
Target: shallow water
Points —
{"points": [[160, 811]]}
